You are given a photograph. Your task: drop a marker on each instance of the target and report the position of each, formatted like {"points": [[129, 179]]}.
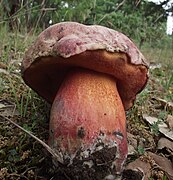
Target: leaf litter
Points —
{"points": [[150, 152], [162, 127]]}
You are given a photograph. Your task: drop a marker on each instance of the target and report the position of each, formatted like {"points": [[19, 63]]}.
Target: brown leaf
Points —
{"points": [[3, 66], [164, 164], [140, 165], [164, 103], [131, 150], [132, 140], [169, 121], [163, 128], [132, 144], [7, 108], [165, 143]]}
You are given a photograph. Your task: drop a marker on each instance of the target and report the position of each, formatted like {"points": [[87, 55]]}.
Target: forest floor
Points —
{"points": [[149, 122]]}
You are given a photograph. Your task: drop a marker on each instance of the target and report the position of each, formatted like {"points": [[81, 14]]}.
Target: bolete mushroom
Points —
{"points": [[90, 75]]}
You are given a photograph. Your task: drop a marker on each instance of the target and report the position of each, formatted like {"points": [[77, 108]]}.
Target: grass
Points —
{"points": [[20, 155], [12, 48], [159, 53]]}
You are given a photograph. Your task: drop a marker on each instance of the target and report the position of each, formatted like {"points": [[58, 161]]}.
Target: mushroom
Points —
{"points": [[90, 75]]}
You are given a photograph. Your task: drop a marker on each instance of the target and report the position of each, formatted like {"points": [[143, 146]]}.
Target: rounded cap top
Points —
{"points": [[69, 44]]}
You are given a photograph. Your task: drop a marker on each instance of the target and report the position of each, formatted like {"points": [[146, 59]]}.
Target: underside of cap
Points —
{"points": [[46, 74]]}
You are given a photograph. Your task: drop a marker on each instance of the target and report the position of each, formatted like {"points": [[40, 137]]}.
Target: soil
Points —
{"points": [[22, 157]]}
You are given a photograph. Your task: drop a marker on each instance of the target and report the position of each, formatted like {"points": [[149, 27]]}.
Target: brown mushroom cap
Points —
{"points": [[70, 44]]}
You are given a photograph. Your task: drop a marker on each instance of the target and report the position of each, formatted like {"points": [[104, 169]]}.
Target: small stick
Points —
{"points": [[49, 149]]}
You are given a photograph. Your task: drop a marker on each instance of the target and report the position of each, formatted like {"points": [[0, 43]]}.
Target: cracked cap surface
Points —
{"points": [[66, 45]]}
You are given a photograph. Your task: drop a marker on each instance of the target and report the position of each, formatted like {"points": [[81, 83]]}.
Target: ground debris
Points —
{"points": [[165, 143], [164, 104], [8, 108], [3, 66], [3, 173], [163, 164], [169, 121], [154, 65], [142, 166], [163, 127]]}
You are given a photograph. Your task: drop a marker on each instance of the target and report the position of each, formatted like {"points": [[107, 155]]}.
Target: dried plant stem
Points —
{"points": [[49, 149]]}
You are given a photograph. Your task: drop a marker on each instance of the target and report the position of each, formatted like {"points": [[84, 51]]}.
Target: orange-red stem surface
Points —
{"points": [[86, 106]]}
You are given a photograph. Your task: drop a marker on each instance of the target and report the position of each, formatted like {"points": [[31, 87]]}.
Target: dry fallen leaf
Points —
{"points": [[141, 166], [131, 150], [132, 144], [164, 164], [169, 121], [165, 143], [163, 127], [164, 103], [165, 146], [3, 66], [7, 108], [132, 140]]}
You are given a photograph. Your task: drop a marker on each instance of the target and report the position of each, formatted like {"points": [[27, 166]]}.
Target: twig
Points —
{"points": [[48, 9], [158, 18], [49, 149], [137, 2], [119, 5], [18, 175]]}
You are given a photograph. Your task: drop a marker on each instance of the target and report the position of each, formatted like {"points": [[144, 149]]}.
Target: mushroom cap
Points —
{"points": [[69, 44]]}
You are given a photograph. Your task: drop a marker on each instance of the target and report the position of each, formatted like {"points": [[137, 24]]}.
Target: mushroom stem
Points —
{"points": [[88, 116]]}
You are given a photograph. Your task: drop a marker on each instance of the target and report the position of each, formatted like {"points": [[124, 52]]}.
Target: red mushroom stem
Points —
{"points": [[87, 111]]}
